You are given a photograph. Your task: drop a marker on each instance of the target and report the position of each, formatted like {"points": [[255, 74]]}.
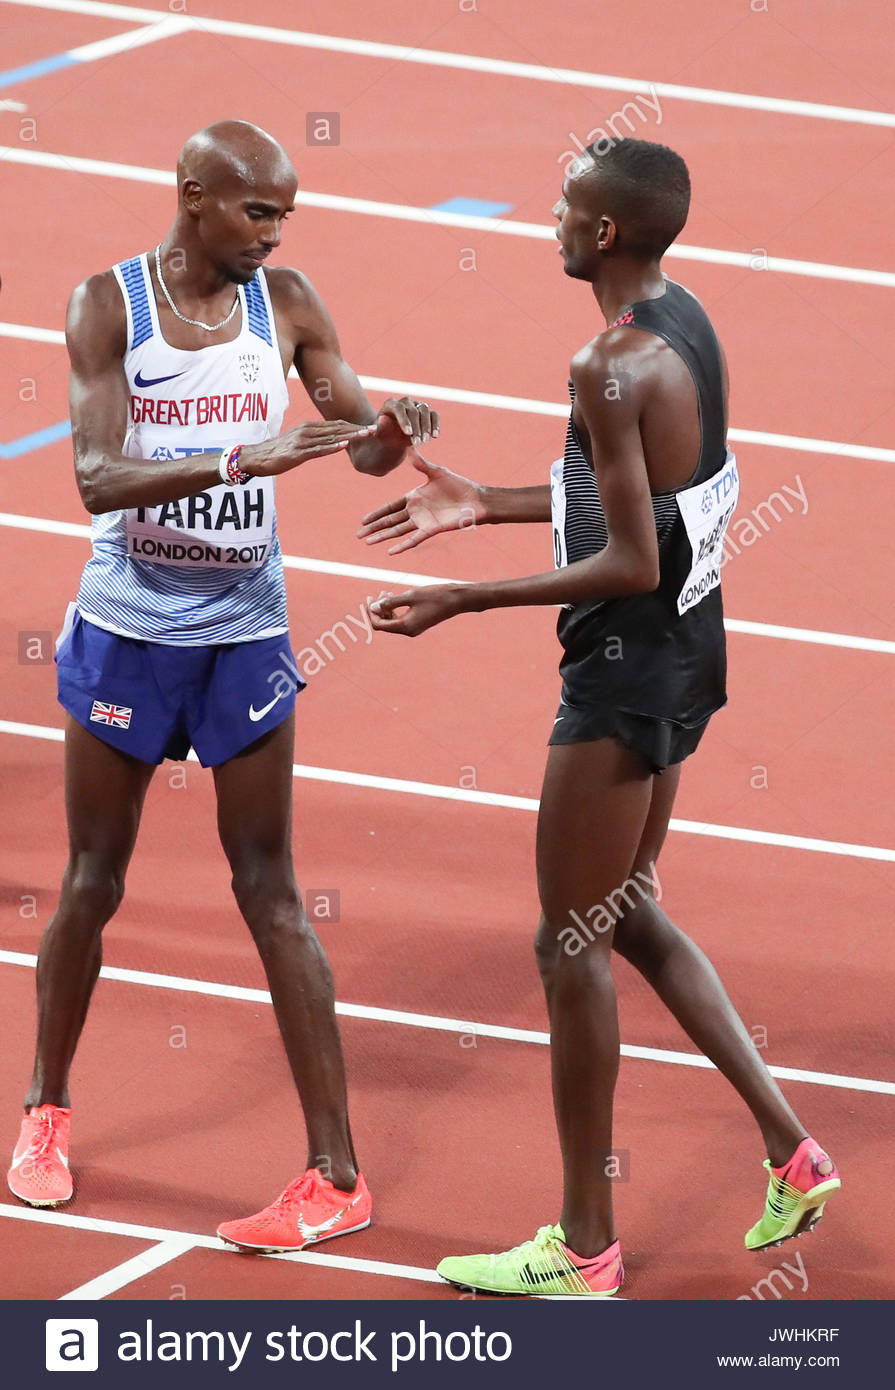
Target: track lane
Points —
{"points": [[449, 932], [793, 893], [398, 324], [470, 1120]]}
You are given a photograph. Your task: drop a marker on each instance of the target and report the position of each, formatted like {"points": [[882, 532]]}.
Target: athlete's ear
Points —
{"points": [[191, 194], [606, 233]]}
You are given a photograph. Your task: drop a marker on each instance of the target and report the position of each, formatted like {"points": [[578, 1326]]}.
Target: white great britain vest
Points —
{"points": [[205, 569]]}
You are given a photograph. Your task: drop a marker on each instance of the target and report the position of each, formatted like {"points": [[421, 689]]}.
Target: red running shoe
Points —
{"points": [[310, 1210], [39, 1173]]}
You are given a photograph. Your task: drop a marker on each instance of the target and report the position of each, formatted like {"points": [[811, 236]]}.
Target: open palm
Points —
{"points": [[444, 501]]}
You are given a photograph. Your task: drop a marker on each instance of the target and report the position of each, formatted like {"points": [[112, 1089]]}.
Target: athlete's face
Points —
{"points": [[240, 224], [581, 236]]}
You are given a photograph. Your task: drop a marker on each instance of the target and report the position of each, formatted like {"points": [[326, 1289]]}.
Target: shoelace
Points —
{"points": [[540, 1250], [544, 1236], [44, 1136], [297, 1191], [543, 1261]]}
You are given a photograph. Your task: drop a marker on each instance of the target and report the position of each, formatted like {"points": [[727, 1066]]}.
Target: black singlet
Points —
{"points": [[650, 669]]}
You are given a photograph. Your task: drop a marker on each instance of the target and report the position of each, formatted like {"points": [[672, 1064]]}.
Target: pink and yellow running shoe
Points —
{"points": [[797, 1194], [308, 1211], [39, 1172], [543, 1268]]}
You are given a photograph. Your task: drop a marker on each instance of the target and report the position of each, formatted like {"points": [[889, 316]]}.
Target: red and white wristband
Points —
{"points": [[229, 469]]}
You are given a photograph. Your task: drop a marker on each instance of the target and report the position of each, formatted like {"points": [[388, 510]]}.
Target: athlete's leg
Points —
{"points": [[104, 794], [254, 792], [594, 806], [686, 981]]}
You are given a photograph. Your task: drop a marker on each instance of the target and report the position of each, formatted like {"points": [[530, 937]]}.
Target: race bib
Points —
{"points": [[706, 510], [558, 512], [224, 527]]}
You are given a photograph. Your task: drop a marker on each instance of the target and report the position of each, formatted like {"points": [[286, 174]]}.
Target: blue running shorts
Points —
{"points": [[156, 701]]}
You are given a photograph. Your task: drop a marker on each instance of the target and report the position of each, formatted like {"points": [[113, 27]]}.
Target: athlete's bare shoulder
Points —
{"points": [[297, 303], [618, 354], [292, 292], [96, 321]]}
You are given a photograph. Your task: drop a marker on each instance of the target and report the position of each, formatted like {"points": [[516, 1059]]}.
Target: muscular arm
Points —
{"points": [[629, 563], [95, 333], [330, 382]]}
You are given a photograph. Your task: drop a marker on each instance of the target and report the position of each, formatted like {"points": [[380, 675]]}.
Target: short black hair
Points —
{"points": [[646, 187]]}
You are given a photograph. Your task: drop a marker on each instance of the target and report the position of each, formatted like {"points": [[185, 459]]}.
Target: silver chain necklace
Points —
{"points": [[194, 323]]}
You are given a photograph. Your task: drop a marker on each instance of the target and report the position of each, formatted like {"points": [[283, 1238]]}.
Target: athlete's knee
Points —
{"points": [[92, 889], [568, 961], [267, 894], [546, 948], [643, 935]]}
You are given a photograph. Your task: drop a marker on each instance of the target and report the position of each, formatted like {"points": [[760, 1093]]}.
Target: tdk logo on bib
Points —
{"points": [[72, 1344], [706, 510]]}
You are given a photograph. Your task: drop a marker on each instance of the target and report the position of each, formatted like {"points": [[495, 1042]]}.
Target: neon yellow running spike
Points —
{"points": [[543, 1266], [797, 1194]]}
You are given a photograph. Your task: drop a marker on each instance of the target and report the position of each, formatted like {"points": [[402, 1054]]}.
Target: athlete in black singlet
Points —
{"points": [[639, 506]]}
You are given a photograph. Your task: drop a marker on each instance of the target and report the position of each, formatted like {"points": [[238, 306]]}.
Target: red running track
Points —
{"points": [[437, 897]]}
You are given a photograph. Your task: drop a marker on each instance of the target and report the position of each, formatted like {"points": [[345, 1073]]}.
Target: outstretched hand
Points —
{"points": [[444, 501], [424, 608]]}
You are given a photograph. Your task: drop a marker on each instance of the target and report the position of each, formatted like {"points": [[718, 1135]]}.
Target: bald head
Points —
{"points": [[236, 187], [231, 153]]}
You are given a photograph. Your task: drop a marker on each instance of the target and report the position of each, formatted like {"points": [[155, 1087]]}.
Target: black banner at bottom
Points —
{"points": [[496, 1343]]}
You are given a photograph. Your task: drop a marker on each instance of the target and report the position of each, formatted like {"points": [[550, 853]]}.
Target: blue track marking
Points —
{"points": [[472, 207], [16, 75], [38, 440]]}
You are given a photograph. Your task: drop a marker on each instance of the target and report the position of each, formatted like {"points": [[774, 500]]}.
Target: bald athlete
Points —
{"points": [[179, 636]]}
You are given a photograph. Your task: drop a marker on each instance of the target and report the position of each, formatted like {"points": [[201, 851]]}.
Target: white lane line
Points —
{"points": [[206, 1242], [560, 410], [805, 634], [130, 1270], [526, 405], [376, 576], [403, 212], [131, 38], [30, 334], [435, 1023], [469, 62], [441, 792]]}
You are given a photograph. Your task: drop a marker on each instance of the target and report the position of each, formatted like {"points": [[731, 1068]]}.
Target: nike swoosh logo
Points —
{"points": [[17, 1162], [533, 1277], [561, 716], [310, 1232], [143, 382], [256, 714]]}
